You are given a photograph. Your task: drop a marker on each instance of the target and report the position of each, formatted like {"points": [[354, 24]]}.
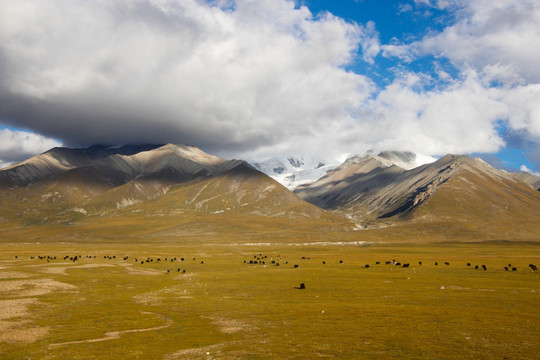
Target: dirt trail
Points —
{"points": [[112, 335]]}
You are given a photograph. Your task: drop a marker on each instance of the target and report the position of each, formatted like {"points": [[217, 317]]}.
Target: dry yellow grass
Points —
{"points": [[224, 308]]}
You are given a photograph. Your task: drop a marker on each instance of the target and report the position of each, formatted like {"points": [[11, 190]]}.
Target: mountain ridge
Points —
{"points": [[116, 165], [378, 190], [60, 160]]}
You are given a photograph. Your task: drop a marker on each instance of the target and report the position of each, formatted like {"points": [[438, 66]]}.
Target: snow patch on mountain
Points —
{"points": [[291, 171]]}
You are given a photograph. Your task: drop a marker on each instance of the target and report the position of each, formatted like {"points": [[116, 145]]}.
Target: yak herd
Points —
{"points": [[141, 261], [257, 259], [260, 259]]}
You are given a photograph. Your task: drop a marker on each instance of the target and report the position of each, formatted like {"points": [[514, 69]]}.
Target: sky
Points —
{"points": [[254, 79]]}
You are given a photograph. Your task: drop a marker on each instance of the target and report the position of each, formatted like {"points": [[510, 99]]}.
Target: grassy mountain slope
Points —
{"points": [[502, 208], [239, 204]]}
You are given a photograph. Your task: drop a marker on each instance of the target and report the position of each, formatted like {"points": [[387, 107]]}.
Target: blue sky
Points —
{"points": [[409, 21], [394, 19], [260, 78]]}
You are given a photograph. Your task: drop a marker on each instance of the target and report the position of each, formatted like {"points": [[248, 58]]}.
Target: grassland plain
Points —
{"points": [[222, 307]]}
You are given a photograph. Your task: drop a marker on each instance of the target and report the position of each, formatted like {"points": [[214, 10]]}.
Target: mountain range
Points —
{"points": [[180, 192], [455, 190], [293, 171]]}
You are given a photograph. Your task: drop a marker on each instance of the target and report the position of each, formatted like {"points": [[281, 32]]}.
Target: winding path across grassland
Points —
{"points": [[112, 335]]}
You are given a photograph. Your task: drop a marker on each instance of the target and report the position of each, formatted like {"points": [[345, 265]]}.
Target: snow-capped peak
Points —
{"points": [[291, 171]]}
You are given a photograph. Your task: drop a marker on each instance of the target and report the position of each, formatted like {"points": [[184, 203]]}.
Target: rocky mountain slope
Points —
{"points": [[57, 161], [373, 189], [528, 178]]}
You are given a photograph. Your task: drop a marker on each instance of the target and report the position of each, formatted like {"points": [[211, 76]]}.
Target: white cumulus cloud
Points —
{"points": [[16, 145], [459, 118], [230, 77], [497, 41]]}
